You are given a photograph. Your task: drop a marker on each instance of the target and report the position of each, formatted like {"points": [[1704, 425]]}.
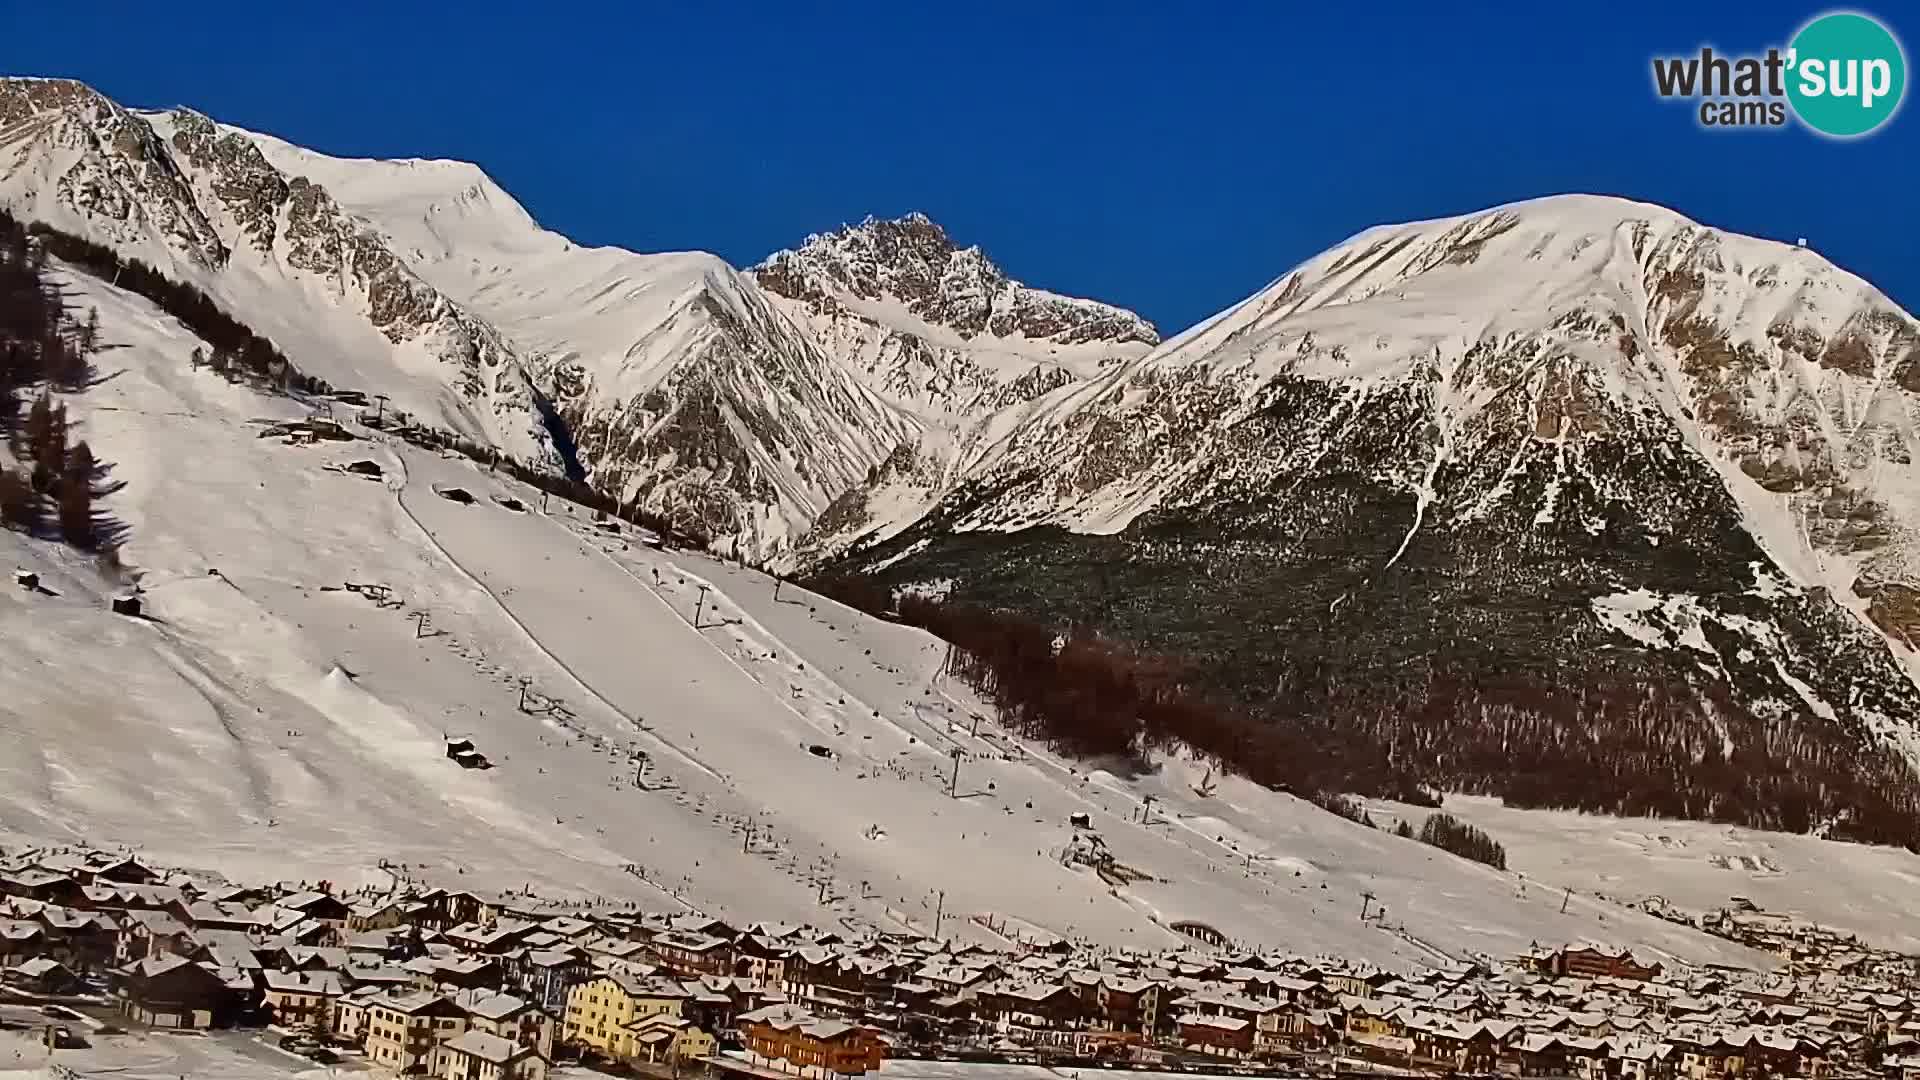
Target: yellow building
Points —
{"points": [[662, 1037], [601, 1013]]}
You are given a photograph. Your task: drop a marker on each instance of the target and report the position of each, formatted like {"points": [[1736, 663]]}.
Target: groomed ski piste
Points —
{"points": [[785, 759]]}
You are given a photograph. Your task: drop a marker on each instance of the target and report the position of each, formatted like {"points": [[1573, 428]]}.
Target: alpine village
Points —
{"points": [[469, 986]]}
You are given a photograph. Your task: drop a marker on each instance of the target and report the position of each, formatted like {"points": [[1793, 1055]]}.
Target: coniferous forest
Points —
{"points": [[1606, 748], [50, 480]]}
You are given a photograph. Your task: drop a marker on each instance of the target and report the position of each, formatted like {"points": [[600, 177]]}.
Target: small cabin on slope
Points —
{"points": [[461, 750]]}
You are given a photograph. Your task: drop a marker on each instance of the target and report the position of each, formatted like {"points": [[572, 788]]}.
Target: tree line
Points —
{"points": [[1449, 833], [236, 349], [51, 482], [1090, 696], [1632, 743]]}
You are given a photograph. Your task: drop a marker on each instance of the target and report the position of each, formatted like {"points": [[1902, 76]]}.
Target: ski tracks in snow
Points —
{"points": [[646, 731]]}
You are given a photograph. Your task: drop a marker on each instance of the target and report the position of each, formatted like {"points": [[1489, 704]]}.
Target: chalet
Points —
{"points": [[1463, 1048], [213, 915], [350, 1013], [512, 1018], [1126, 1003], [96, 868], [760, 959], [632, 956], [454, 971], [124, 870], [43, 976], [567, 927], [660, 1038], [297, 999], [701, 926], [319, 906], [1358, 983], [444, 908], [22, 940], [173, 992], [547, 976], [493, 938], [385, 977], [714, 1000], [1367, 1016], [45, 886], [292, 956], [84, 941], [402, 1033], [146, 934], [1226, 1036], [958, 980], [383, 914], [1031, 1008], [792, 1040], [692, 954], [477, 1055], [1587, 962]]}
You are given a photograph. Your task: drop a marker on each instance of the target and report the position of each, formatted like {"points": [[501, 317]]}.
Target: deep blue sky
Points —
{"points": [[1168, 157]]}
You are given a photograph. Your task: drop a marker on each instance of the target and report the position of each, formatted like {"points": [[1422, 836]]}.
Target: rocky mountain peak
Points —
{"points": [[70, 149], [912, 263]]}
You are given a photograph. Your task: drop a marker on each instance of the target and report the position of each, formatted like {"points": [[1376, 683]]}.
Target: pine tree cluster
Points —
{"points": [[1449, 833], [49, 482]]}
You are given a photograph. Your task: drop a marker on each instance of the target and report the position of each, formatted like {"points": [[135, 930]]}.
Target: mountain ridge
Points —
{"points": [[1521, 449], [1513, 445]]}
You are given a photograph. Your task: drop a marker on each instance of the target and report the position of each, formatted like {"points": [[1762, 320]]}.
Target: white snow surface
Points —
{"points": [[264, 723], [70, 166], [1701, 867]]}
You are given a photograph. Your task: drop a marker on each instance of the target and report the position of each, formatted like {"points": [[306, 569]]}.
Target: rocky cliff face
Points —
{"points": [[686, 390], [939, 328], [1550, 446], [741, 428], [67, 150], [203, 204]]}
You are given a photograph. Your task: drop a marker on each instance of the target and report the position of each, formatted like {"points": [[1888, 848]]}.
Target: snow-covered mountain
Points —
{"points": [[314, 634], [741, 405], [685, 388], [203, 205], [1576, 442], [1546, 439], [939, 328]]}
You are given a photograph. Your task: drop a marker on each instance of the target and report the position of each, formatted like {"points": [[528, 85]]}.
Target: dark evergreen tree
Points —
{"points": [[19, 504], [75, 499], [1449, 833]]}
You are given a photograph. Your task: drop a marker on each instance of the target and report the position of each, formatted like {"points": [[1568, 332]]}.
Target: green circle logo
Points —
{"points": [[1847, 74]]}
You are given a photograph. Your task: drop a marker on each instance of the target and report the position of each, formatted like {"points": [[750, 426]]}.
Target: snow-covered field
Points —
{"points": [[1700, 867], [267, 722], [151, 1056]]}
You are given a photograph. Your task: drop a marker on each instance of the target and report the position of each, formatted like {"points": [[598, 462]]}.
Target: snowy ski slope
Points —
{"points": [[266, 721]]}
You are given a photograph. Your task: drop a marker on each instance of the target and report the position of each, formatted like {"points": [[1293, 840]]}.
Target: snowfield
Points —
{"points": [[265, 721], [1699, 867]]}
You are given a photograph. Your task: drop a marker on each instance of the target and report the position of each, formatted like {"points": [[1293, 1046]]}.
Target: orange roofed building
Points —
{"points": [[793, 1040]]}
